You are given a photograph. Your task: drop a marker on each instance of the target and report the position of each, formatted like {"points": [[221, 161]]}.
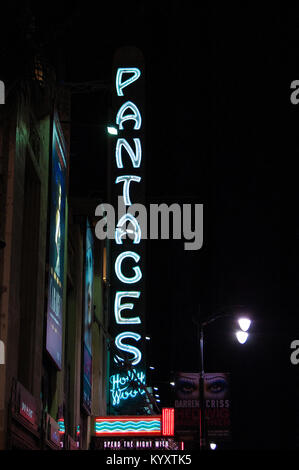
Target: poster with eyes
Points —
{"points": [[187, 405], [217, 403]]}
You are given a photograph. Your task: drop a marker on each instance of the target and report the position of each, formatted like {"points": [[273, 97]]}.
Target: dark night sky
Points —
{"points": [[209, 128], [212, 138]]}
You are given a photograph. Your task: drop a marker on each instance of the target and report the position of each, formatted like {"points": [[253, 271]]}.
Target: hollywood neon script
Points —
{"points": [[128, 112], [120, 386]]}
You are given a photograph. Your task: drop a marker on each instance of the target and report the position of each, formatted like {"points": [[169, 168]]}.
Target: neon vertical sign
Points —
{"points": [[127, 301], [167, 421]]}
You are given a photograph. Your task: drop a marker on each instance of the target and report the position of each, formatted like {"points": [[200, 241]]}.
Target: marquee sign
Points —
{"points": [[130, 425], [136, 425], [127, 301], [142, 443]]}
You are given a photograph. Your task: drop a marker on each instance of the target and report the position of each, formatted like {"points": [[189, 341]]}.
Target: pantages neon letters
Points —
{"points": [[123, 115], [135, 116], [127, 246]]}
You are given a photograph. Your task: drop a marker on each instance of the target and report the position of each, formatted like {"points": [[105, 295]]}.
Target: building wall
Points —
{"points": [[73, 333], [99, 373], [25, 152]]}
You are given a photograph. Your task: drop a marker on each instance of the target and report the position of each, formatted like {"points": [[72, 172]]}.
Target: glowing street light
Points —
{"points": [[244, 323], [112, 130], [242, 336], [213, 446]]}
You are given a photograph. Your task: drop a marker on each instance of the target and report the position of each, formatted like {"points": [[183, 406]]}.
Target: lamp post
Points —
{"points": [[241, 335]]}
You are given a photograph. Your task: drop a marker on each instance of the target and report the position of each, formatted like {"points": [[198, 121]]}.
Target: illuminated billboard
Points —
{"points": [[187, 405], [88, 317], [130, 425], [127, 371], [56, 245], [217, 403], [136, 425]]}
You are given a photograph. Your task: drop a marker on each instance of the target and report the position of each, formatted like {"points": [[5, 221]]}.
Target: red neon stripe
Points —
{"points": [[168, 421], [129, 433], [172, 422]]}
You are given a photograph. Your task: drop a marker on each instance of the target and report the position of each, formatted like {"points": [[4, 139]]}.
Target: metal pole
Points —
{"points": [[201, 391], [200, 341]]}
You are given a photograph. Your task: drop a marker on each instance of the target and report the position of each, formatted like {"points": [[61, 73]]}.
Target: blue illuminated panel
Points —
{"points": [[56, 245], [88, 318]]}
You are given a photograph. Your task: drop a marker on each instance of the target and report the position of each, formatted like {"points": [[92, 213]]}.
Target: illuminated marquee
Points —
{"points": [[136, 425], [127, 304]]}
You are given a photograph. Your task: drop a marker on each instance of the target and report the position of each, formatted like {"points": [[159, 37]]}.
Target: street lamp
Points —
{"points": [[112, 130], [244, 324], [242, 336]]}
